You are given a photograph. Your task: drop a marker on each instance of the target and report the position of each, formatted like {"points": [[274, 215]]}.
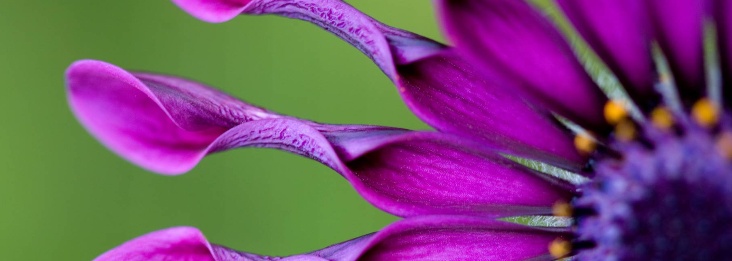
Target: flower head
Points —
{"points": [[656, 168]]}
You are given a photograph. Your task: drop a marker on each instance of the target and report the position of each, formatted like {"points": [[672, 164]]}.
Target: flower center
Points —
{"points": [[662, 192]]}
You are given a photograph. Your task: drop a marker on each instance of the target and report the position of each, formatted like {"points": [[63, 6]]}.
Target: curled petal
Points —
{"points": [[427, 78], [508, 38], [421, 238], [619, 32], [168, 124]]}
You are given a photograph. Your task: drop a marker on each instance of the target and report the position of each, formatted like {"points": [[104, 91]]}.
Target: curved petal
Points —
{"points": [[420, 238], [168, 124], [510, 39], [417, 64], [189, 244], [679, 30], [179, 243], [619, 32]]}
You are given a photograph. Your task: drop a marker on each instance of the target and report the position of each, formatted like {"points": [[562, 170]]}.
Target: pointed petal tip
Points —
{"points": [[213, 11], [124, 115], [177, 243]]}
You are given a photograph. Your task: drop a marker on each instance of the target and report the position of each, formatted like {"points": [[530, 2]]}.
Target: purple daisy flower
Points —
{"points": [[653, 185]]}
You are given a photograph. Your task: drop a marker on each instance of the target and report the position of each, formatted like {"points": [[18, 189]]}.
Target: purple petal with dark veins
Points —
{"points": [[619, 32], [722, 10], [168, 124], [483, 110], [511, 40], [459, 238], [679, 30], [419, 238], [417, 65]]}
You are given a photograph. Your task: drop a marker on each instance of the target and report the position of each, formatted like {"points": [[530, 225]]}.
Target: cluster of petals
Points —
{"points": [[495, 92]]}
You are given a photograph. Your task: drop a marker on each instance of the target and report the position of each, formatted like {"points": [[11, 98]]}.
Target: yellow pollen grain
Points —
{"points": [[562, 209], [705, 112], [584, 143], [662, 118], [724, 144], [560, 248], [615, 112], [625, 130]]}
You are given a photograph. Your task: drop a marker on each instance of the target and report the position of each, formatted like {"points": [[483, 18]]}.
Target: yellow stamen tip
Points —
{"points": [[584, 143], [705, 112], [724, 145], [562, 209], [662, 118], [560, 248], [615, 112], [625, 130]]}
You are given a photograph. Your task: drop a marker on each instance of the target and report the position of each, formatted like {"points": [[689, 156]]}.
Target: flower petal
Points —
{"points": [[428, 173], [722, 9], [409, 60], [179, 243], [168, 125], [510, 39], [420, 238], [459, 238], [189, 244], [679, 30], [619, 32], [448, 94]]}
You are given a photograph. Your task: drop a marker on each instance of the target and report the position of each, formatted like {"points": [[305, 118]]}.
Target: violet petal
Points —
{"points": [[510, 39], [409, 60], [679, 30], [459, 238], [722, 10], [168, 124], [619, 32], [419, 238]]}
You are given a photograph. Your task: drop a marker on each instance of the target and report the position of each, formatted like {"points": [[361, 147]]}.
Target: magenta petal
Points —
{"points": [[214, 11], [722, 10], [161, 124], [459, 238], [179, 243], [168, 125], [189, 244], [499, 119], [428, 173], [619, 32], [679, 26], [444, 92], [511, 40], [420, 238], [335, 16]]}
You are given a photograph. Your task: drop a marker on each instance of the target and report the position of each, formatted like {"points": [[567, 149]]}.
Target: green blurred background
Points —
{"points": [[65, 197]]}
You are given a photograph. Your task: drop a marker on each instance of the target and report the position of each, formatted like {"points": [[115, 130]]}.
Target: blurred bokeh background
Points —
{"points": [[65, 197]]}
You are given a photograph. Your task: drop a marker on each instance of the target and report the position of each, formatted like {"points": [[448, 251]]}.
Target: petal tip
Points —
{"points": [[213, 11]]}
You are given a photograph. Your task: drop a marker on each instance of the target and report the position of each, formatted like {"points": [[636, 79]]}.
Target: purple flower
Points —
{"points": [[657, 183]]}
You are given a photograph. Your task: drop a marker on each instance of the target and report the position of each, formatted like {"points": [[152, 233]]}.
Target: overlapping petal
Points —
{"points": [[508, 38], [168, 124], [421, 238], [428, 75], [620, 33]]}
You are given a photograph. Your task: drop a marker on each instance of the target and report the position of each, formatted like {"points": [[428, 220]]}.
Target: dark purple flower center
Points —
{"points": [[665, 194]]}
